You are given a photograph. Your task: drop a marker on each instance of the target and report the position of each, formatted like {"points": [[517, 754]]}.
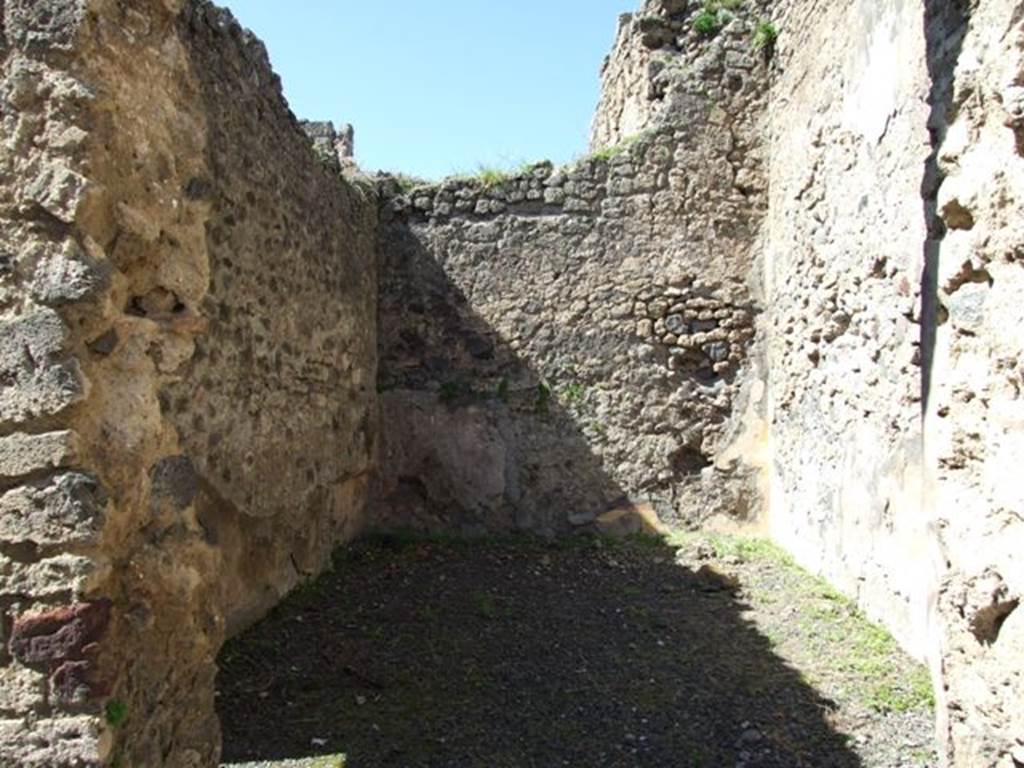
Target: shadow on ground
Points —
{"points": [[519, 653]]}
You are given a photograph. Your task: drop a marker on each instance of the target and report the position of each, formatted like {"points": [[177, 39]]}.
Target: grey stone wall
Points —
{"points": [[187, 362], [561, 343], [661, 56]]}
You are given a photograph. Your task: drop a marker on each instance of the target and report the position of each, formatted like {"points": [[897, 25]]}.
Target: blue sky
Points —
{"points": [[435, 87]]}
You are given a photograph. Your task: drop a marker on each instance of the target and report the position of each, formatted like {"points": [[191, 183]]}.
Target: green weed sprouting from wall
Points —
{"points": [[765, 35], [714, 15], [116, 712]]}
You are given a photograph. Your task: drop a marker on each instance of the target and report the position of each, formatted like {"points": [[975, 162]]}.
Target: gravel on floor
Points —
{"points": [[691, 651]]}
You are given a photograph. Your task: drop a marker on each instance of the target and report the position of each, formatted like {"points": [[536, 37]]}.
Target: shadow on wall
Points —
{"points": [[945, 26], [477, 438], [474, 439], [514, 652]]}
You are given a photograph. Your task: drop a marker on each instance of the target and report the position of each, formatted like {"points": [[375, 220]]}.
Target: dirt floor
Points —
{"points": [[688, 652]]}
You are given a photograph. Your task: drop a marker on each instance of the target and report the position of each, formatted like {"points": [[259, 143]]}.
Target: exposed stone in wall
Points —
{"points": [[659, 60], [290, 356], [187, 302], [892, 240], [566, 341], [976, 411], [843, 261], [336, 146]]}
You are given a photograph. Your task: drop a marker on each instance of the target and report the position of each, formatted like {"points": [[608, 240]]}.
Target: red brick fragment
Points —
{"points": [[75, 682], [60, 634]]}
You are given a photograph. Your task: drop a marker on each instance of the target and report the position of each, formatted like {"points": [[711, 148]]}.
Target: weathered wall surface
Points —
{"points": [[844, 254], [658, 61], [565, 342], [186, 368], [892, 244], [975, 432]]}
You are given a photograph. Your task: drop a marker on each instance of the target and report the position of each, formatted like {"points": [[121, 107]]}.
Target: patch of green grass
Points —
{"points": [[714, 15], [490, 176], [329, 761], [527, 168], [765, 36], [743, 547], [866, 657], [574, 392], [903, 696], [116, 712], [607, 153], [707, 22]]}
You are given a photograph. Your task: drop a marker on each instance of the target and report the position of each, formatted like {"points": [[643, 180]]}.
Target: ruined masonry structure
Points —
{"points": [[781, 293]]}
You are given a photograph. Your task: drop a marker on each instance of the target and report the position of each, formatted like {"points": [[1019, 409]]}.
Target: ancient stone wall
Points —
{"points": [[844, 254], [975, 432], [892, 242], [186, 370], [560, 344], [660, 58]]}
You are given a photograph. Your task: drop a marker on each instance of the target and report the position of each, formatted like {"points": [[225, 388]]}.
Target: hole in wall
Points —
{"points": [[689, 461], [957, 216], [987, 623]]}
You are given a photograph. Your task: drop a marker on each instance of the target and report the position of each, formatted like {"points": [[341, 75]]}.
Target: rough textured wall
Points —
{"points": [[975, 430], [892, 276], [563, 343], [845, 238], [186, 368], [658, 60]]}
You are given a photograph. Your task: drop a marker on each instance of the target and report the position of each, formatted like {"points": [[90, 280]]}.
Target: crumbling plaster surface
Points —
{"points": [[891, 275], [844, 253], [975, 434], [186, 370]]}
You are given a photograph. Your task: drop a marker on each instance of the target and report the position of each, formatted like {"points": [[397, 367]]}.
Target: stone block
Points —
{"points": [[40, 24], [64, 510], [48, 578], [34, 381], [65, 742], [22, 454]]}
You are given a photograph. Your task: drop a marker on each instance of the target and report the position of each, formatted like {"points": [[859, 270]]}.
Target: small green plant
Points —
{"points": [[714, 15], [490, 176], [765, 35], [406, 182], [530, 167], [706, 23], [503, 390], [607, 153], [574, 392], [543, 398], [116, 713]]}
